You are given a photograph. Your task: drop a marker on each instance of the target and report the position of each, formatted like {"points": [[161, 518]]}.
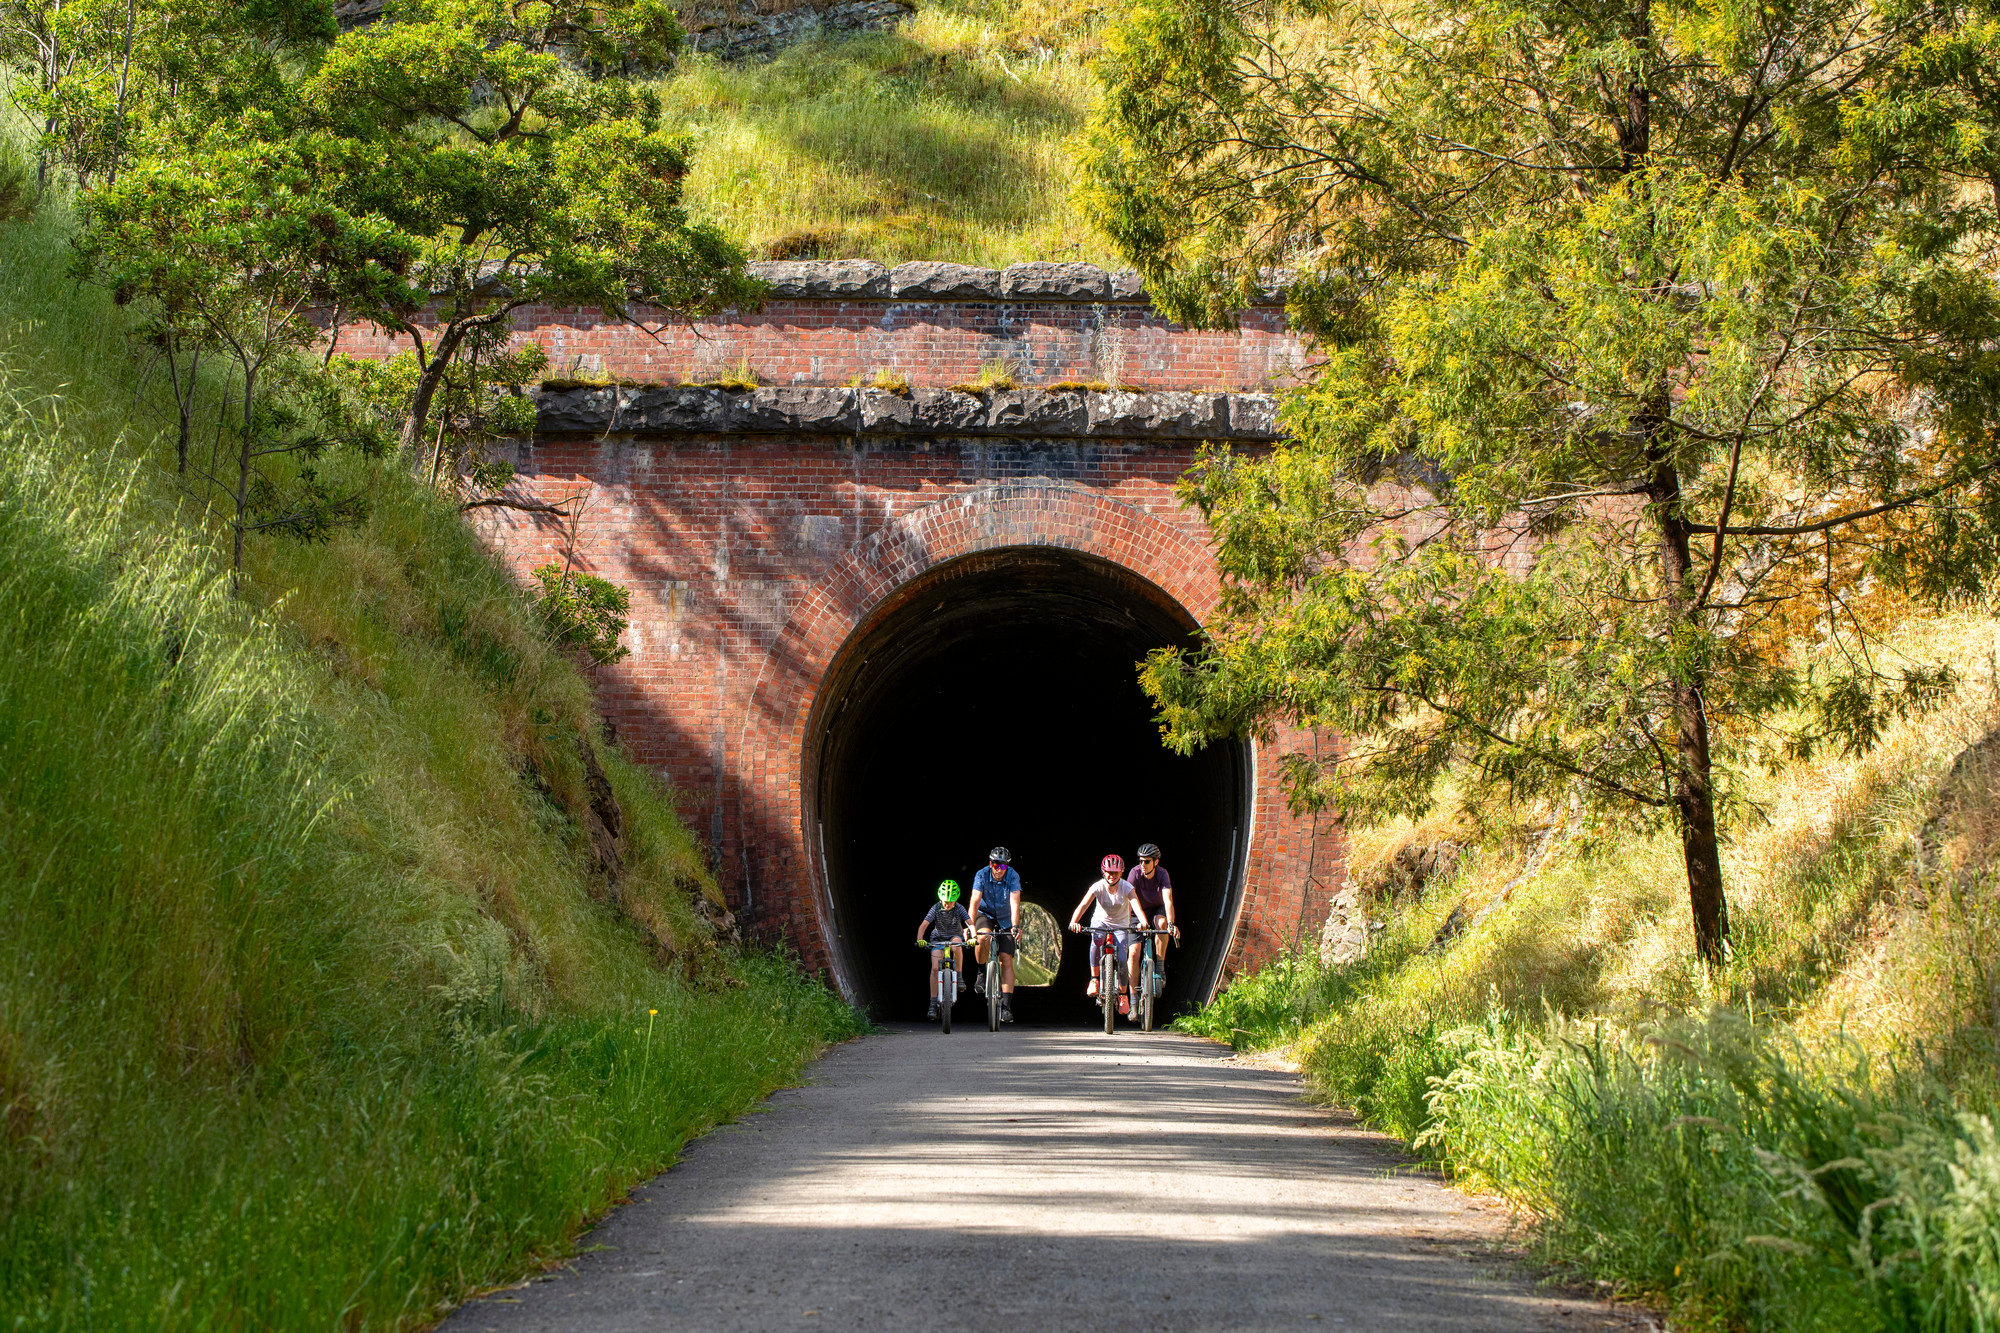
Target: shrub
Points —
{"points": [[584, 611]]}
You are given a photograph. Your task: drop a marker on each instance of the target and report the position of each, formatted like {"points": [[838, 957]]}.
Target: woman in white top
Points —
{"points": [[1115, 901]]}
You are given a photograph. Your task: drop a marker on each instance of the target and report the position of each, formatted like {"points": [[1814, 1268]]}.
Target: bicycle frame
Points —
{"points": [[1110, 967], [946, 993], [993, 976], [1151, 981]]}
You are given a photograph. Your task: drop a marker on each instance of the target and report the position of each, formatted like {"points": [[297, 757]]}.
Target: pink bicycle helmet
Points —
{"points": [[1114, 863]]}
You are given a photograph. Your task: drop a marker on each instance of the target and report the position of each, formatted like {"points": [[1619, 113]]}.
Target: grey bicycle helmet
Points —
{"points": [[1149, 851], [1000, 854]]}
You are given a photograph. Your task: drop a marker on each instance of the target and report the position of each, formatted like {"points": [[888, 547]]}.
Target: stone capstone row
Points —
{"points": [[749, 35], [738, 33], [814, 410], [931, 280]]}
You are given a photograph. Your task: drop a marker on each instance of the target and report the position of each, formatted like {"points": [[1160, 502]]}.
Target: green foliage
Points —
{"points": [[482, 398], [515, 172], [1654, 355], [584, 611], [1733, 1174], [432, 172], [316, 1010], [1828, 1165], [224, 249], [105, 81]]}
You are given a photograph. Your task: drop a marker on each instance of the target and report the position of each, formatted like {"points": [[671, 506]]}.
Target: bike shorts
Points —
{"points": [[1121, 939], [1004, 943], [938, 948]]}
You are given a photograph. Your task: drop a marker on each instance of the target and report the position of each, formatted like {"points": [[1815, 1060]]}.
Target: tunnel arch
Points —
{"points": [[994, 699], [778, 798]]}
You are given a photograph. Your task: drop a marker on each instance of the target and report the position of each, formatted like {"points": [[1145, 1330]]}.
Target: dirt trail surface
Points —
{"points": [[1040, 1179]]}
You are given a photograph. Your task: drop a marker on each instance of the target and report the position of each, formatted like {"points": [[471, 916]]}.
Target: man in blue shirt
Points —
{"points": [[996, 906]]}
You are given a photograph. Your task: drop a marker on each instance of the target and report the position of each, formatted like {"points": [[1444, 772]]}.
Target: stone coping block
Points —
{"points": [[814, 410], [929, 280]]}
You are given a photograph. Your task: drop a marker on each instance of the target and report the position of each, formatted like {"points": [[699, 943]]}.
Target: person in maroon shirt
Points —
{"points": [[1154, 889]]}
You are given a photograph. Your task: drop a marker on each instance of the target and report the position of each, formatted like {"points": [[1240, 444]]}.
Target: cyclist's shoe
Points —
{"points": [[931, 1017], [1124, 1003], [979, 982], [1006, 1010], [1091, 989]]}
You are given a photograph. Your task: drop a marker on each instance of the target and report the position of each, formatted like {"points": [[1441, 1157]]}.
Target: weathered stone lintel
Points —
{"points": [[928, 280], [808, 410]]}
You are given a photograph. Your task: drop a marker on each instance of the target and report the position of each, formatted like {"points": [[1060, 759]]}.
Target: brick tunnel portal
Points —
{"points": [[995, 700]]}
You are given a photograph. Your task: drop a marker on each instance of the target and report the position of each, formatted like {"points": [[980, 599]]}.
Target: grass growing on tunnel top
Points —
{"points": [[952, 138], [314, 1010], [1804, 1142]]}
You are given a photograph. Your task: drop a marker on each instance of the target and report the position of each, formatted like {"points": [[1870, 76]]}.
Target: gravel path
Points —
{"points": [[1040, 1179]]}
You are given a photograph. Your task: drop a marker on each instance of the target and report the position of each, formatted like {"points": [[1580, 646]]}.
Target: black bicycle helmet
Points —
{"points": [[1149, 851], [1000, 854]]}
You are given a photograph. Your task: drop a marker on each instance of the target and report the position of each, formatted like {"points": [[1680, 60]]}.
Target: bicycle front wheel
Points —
{"points": [[1107, 987], [1146, 989], [993, 990]]}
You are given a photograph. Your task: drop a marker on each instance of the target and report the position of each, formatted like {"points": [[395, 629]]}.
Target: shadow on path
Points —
{"points": [[1039, 1179]]}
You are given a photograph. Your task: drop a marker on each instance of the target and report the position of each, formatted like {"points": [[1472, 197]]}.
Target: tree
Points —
{"points": [[1658, 353], [105, 80], [498, 139], [231, 244]]}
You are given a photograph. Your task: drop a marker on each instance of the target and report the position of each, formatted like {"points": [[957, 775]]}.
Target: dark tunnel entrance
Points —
{"points": [[996, 700]]}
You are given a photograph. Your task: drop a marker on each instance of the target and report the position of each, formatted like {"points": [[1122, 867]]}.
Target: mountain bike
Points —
{"points": [[993, 996], [1152, 978], [947, 984]]}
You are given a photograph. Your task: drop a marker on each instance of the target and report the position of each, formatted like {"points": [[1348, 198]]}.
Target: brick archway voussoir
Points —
{"points": [[771, 790]]}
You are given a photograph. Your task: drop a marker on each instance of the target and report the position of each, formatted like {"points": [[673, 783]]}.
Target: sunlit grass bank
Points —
{"points": [[315, 1009], [952, 138], [1804, 1142]]}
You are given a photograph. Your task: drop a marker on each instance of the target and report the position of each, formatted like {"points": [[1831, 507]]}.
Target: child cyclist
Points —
{"points": [[1115, 908], [946, 925]]}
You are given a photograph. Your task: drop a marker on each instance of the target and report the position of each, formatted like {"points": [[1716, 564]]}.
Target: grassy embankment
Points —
{"points": [[1803, 1142], [315, 1009], [952, 138]]}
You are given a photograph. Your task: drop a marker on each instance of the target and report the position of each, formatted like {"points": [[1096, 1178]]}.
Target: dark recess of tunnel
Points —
{"points": [[995, 699]]}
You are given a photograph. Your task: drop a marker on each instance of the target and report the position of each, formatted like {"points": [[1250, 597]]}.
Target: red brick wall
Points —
{"points": [[932, 343], [752, 559]]}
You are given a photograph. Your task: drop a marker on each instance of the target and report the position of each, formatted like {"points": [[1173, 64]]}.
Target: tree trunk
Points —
{"points": [[183, 400], [1693, 779], [242, 497], [428, 384]]}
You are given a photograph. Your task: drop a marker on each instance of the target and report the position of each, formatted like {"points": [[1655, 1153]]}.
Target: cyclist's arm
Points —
{"points": [[1076, 917], [1167, 901], [924, 929], [1014, 906]]}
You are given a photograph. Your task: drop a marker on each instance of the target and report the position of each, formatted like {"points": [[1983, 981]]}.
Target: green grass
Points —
{"points": [[952, 138], [314, 1009], [1802, 1142]]}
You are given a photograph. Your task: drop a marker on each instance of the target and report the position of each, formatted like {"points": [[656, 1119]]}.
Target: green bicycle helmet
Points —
{"points": [[948, 891]]}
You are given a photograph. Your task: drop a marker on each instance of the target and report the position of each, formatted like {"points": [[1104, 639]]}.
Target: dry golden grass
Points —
{"points": [[1859, 890]]}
